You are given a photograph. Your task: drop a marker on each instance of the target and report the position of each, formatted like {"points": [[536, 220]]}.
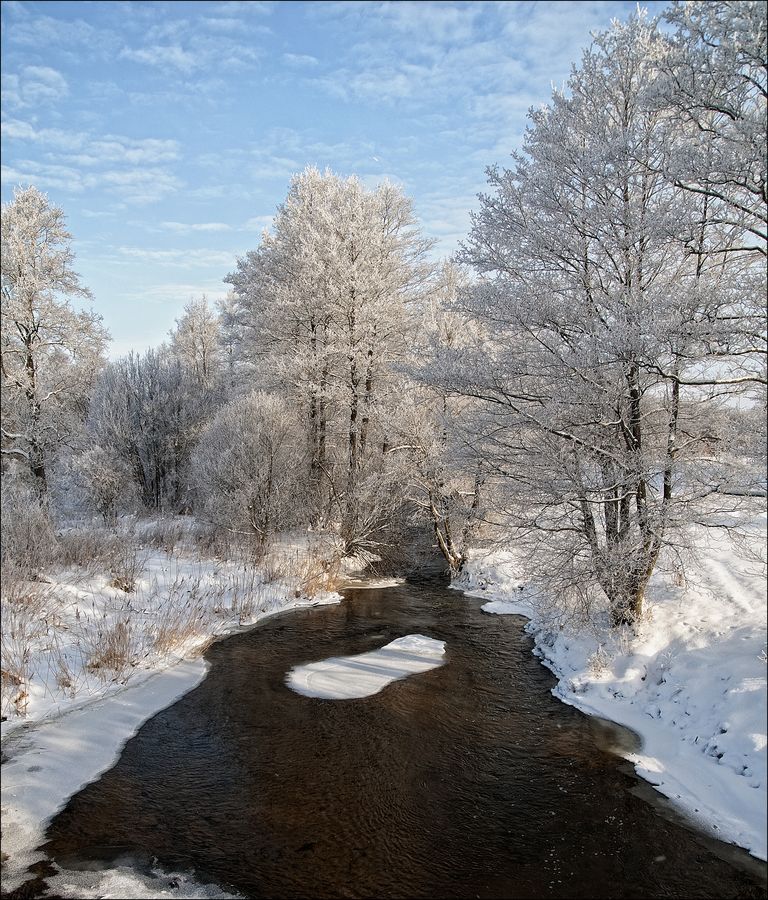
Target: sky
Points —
{"points": [[168, 132]]}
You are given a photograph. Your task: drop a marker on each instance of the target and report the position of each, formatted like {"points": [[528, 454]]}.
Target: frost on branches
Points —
{"points": [[624, 357], [51, 351]]}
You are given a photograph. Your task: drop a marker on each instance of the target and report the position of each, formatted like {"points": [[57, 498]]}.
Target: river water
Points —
{"points": [[470, 780]]}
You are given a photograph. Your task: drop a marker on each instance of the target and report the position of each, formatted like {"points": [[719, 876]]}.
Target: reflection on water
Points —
{"points": [[469, 780]]}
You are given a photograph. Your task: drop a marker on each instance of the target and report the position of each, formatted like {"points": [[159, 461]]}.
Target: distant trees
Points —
{"points": [[196, 341], [620, 309], [150, 411], [50, 352]]}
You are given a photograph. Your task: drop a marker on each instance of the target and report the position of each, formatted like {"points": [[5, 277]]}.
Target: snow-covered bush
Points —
{"points": [[27, 537], [104, 480], [247, 467]]}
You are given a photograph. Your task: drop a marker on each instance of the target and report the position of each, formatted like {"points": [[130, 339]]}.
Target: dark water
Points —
{"points": [[468, 781]]}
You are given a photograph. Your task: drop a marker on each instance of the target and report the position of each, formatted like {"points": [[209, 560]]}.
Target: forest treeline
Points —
{"points": [[586, 377]]}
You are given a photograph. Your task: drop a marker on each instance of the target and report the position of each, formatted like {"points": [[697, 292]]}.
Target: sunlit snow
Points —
{"points": [[350, 677]]}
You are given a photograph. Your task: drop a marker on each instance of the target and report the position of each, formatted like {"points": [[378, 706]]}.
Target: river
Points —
{"points": [[469, 780]]}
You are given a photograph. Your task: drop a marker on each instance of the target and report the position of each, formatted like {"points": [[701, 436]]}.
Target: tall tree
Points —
{"points": [[325, 301], [50, 351], [612, 342], [715, 85]]}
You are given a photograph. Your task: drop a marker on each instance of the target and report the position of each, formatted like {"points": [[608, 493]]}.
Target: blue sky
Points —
{"points": [[168, 131]]}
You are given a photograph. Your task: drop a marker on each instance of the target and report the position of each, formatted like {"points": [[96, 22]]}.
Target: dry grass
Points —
{"points": [[126, 566], [90, 549], [65, 639], [163, 534], [181, 615], [24, 608], [28, 542], [113, 650], [305, 572]]}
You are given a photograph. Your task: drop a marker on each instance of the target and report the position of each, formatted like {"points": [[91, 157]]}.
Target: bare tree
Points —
{"points": [[150, 411]]}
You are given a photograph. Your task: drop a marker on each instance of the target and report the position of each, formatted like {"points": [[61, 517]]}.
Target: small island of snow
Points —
{"points": [[351, 677]]}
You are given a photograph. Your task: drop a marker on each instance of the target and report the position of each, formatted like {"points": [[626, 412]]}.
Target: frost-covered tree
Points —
{"points": [[715, 87], [247, 467], [50, 351], [323, 311], [437, 435], [196, 341], [150, 411], [613, 339]]}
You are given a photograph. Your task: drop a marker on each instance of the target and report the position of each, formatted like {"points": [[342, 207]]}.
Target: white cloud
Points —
{"points": [[258, 223], [180, 259], [436, 22], [79, 161], [169, 56], [221, 24], [191, 228], [300, 60], [34, 86], [94, 150], [74, 38], [181, 46], [236, 7], [19, 130], [130, 185], [134, 152]]}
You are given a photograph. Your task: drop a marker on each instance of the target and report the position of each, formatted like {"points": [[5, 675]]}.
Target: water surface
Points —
{"points": [[469, 780]]}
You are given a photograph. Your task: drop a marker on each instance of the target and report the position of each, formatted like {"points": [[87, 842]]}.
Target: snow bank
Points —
{"points": [[125, 883], [70, 737], [691, 681], [76, 651], [51, 762], [350, 677]]}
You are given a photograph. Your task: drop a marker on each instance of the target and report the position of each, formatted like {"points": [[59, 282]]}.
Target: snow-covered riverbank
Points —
{"points": [[691, 681], [100, 662]]}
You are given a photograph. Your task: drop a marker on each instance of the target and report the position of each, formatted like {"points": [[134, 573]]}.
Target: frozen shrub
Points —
{"points": [[27, 537], [245, 467], [105, 481]]}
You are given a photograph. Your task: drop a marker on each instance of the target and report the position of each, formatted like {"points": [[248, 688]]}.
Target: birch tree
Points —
{"points": [[50, 351]]}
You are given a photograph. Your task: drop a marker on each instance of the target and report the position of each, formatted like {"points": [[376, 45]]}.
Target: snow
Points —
{"points": [[691, 680], [70, 736], [351, 677], [51, 762], [124, 883], [180, 603]]}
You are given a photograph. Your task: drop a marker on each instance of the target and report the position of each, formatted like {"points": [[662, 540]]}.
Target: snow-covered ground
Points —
{"points": [[350, 677], [79, 635], [691, 681], [99, 661]]}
